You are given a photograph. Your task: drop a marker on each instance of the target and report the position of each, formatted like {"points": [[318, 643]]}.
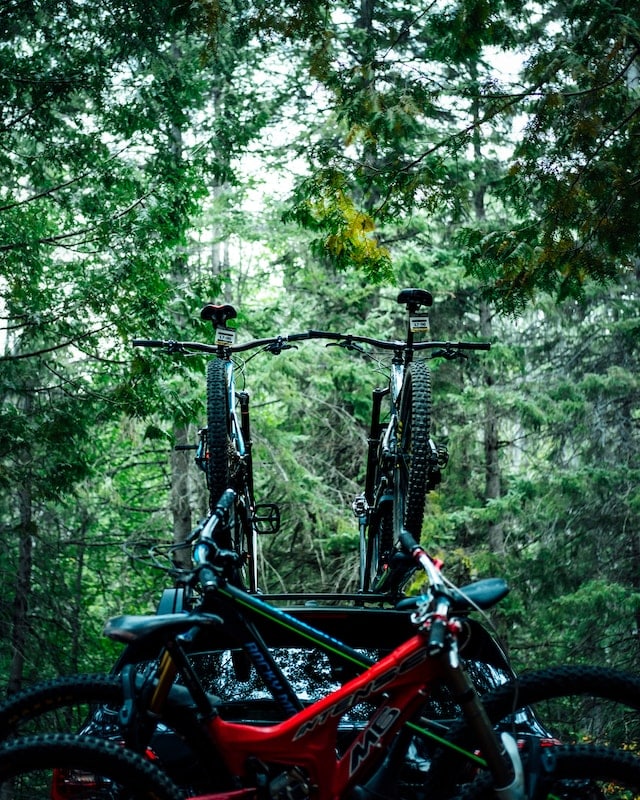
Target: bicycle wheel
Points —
{"points": [[577, 703], [217, 471], [68, 767], [90, 704], [544, 705], [414, 450], [225, 469], [577, 772]]}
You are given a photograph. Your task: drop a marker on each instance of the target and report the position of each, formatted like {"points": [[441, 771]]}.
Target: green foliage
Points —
{"points": [[414, 90], [324, 205], [125, 205]]}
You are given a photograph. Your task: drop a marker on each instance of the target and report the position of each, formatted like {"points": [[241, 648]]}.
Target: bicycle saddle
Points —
{"points": [[218, 314], [414, 298], [481, 594], [132, 628]]}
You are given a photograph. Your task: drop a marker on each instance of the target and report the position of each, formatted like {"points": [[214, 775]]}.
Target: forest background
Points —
{"points": [[305, 160]]}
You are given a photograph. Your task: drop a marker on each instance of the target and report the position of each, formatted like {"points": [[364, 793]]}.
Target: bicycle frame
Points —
{"points": [[308, 739]]}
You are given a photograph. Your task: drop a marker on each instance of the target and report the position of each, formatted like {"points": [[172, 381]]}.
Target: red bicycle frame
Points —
{"points": [[309, 738]]}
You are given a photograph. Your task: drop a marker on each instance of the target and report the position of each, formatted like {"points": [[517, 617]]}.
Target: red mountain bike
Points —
{"points": [[354, 742]]}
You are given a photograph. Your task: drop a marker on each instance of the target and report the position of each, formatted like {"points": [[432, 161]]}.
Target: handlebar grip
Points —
{"points": [[475, 345], [437, 634], [225, 502], [407, 542], [148, 343], [208, 578]]}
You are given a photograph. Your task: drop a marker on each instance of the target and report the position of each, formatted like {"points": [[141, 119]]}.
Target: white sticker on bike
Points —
{"points": [[419, 323], [225, 336], [370, 739]]}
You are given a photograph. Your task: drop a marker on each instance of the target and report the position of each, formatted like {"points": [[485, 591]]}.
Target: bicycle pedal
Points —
{"points": [[360, 506], [266, 518], [443, 455]]}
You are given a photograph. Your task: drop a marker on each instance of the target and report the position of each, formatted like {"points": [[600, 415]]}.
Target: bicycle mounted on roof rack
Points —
{"points": [[403, 461]]}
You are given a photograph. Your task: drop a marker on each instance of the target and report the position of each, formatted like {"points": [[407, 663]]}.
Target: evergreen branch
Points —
{"points": [[474, 125], [53, 348], [59, 238], [64, 184]]}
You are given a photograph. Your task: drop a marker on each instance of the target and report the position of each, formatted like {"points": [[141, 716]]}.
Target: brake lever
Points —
{"points": [[449, 353], [348, 345], [210, 572], [173, 347], [275, 348]]}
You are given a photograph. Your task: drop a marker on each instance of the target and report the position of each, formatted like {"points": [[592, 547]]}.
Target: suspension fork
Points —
{"points": [[373, 443], [499, 752], [174, 661], [142, 709], [245, 428]]}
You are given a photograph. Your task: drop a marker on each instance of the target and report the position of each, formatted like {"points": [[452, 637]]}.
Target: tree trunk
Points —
{"points": [[181, 493], [493, 487], [76, 640], [493, 483], [20, 612]]}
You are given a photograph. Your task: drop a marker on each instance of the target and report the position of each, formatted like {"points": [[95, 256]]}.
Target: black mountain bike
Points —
{"points": [[403, 461], [224, 449]]}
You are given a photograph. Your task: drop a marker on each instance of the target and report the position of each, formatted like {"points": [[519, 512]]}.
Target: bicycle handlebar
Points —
{"points": [[439, 619], [206, 551], [278, 343]]}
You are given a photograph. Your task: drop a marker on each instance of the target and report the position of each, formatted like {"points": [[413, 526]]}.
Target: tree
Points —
{"points": [[570, 186], [87, 228]]}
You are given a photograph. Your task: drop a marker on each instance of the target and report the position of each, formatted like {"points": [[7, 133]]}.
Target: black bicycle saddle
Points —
{"points": [[414, 298], [218, 314], [482, 594]]}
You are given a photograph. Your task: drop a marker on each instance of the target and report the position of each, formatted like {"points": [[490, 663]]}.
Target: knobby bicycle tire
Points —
{"points": [[67, 766], [578, 772], [90, 703], [218, 473], [222, 466], [412, 471], [527, 692]]}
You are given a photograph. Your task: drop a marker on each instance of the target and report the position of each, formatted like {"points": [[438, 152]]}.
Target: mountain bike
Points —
{"points": [[355, 741], [403, 461], [223, 452]]}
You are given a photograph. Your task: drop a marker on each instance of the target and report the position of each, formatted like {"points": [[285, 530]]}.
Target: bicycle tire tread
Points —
{"points": [[418, 382], [217, 432], [100, 690], [56, 750], [584, 763], [534, 687]]}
